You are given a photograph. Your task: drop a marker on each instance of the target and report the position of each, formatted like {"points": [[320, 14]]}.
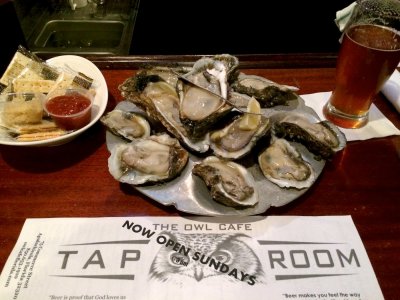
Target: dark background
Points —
{"points": [[11, 33], [209, 27], [236, 27]]}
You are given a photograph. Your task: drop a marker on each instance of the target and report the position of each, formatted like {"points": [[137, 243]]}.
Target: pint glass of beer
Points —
{"points": [[369, 53]]}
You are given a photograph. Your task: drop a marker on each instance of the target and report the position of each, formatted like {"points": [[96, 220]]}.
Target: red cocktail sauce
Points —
{"points": [[70, 111]]}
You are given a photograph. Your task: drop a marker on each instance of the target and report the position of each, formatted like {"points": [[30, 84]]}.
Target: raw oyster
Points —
{"points": [[238, 100], [323, 139], [214, 73], [203, 93], [229, 183], [240, 136], [283, 165], [167, 74], [199, 109], [160, 101], [128, 125], [133, 85], [267, 92], [157, 158]]}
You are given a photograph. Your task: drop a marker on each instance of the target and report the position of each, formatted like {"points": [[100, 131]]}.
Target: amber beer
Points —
{"points": [[368, 56]]}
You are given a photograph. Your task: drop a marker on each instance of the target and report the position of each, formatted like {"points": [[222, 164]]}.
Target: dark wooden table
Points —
{"points": [[72, 180]]}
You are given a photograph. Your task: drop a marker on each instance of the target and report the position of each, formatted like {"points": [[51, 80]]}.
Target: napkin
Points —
{"points": [[378, 125], [343, 16], [391, 89]]}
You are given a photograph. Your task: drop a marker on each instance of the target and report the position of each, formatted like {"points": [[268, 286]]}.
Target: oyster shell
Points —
{"points": [[214, 73], [133, 85], [157, 158], [160, 101], [167, 74], [229, 183], [240, 136], [203, 92], [322, 138], [267, 92], [283, 165], [239, 100], [128, 125], [199, 109]]}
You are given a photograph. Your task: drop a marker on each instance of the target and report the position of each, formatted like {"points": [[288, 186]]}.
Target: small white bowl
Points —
{"points": [[85, 66]]}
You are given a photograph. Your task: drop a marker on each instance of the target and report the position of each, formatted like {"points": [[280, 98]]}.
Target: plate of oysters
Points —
{"points": [[212, 140]]}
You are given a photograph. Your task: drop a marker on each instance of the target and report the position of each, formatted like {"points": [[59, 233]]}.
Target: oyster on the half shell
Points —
{"points": [[128, 125], [229, 183], [133, 85], [167, 74], [322, 138], [157, 158], [240, 136], [203, 93], [267, 92], [160, 101], [284, 165], [214, 73]]}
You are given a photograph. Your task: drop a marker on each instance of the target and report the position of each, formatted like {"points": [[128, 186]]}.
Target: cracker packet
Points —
{"points": [[37, 77], [71, 78], [20, 60], [74, 79], [28, 73], [23, 109], [22, 118]]}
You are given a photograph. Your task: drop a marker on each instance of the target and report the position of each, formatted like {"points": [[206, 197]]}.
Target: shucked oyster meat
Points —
{"points": [[157, 158], [321, 138], [128, 125], [229, 183], [133, 85], [214, 73], [203, 93], [284, 165], [199, 109], [160, 101], [239, 137], [267, 92]]}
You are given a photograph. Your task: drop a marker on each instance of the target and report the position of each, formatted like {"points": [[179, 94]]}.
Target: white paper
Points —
{"points": [[343, 16], [288, 257], [377, 126], [391, 89]]}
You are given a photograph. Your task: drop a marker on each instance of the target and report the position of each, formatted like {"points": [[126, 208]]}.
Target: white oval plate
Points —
{"points": [[85, 66]]}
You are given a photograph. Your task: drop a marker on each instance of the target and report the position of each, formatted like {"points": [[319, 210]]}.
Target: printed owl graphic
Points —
{"points": [[219, 256]]}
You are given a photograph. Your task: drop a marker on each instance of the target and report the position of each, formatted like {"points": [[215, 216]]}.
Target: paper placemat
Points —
{"points": [[277, 257], [378, 125]]}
